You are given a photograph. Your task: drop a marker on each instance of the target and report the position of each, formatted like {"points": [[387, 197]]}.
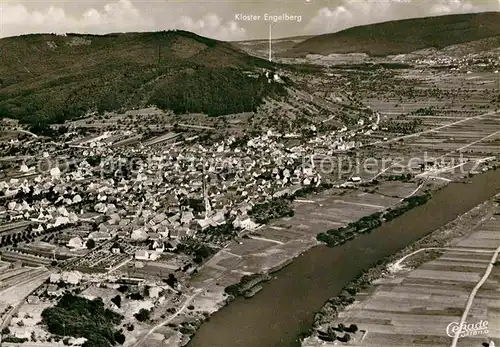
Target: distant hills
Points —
{"points": [[46, 78], [403, 36], [260, 48]]}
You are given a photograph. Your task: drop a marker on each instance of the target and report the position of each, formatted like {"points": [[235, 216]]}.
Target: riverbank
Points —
{"points": [[446, 236], [453, 253]]}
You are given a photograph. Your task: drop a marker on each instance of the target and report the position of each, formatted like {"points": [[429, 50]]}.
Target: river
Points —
{"points": [[285, 307]]}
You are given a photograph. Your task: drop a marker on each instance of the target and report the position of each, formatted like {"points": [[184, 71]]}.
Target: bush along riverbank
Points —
{"points": [[248, 285], [335, 237]]}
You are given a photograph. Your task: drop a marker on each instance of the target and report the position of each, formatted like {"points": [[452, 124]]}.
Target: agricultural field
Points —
{"points": [[414, 307]]}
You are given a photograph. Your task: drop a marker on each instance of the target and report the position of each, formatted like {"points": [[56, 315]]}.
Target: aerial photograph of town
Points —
{"points": [[244, 173]]}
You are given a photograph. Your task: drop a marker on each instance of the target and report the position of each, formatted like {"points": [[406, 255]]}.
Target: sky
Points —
{"points": [[217, 18]]}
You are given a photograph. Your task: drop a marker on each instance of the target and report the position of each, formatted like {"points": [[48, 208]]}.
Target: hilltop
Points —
{"points": [[47, 78], [403, 36]]}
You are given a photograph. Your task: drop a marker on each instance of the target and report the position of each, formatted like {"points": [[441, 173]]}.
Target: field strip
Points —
{"points": [[477, 141], [266, 240], [438, 171], [123, 263], [473, 294], [395, 139], [360, 204], [230, 253], [446, 154], [413, 193], [469, 144], [397, 264]]}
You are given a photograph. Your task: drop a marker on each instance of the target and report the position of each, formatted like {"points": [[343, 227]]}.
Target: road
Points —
{"points": [[436, 172], [186, 303], [171, 318], [26, 132], [414, 192], [473, 294]]}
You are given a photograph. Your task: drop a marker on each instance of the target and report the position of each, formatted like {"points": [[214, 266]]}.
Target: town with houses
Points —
{"points": [[85, 213]]}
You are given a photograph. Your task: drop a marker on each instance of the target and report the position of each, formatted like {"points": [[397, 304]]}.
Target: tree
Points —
{"points": [[136, 296], [117, 300], [331, 333], [143, 315], [122, 288], [171, 281], [119, 337], [345, 338], [341, 327], [90, 244], [130, 327]]}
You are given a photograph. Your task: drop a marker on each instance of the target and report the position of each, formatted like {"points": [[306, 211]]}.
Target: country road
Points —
{"points": [[165, 322], [473, 294]]}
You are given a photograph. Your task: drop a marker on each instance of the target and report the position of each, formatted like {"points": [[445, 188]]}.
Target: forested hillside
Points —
{"points": [[403, 36], [49, 78]]}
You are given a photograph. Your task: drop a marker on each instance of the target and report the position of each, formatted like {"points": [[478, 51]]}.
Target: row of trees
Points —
{"points": [[403, 127], [27, 235], [403, 177]]}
